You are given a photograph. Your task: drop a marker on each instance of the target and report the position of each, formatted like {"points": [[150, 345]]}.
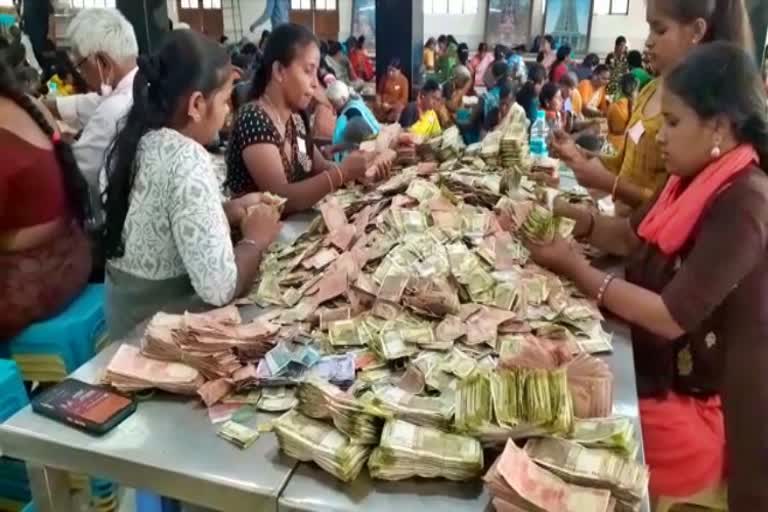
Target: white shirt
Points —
{"points": [[100, 117], [176, 224]]}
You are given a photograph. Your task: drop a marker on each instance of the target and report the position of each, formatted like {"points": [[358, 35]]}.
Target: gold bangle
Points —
{"points": [[330, 181], [341, 176]]}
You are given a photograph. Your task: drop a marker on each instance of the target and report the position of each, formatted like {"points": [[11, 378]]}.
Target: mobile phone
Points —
{"points": [[90, 408]]}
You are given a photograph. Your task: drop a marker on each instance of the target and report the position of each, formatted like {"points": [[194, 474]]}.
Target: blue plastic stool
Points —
{"points": [[104, 496], [49, 350], [14, 395], [147, 501]]}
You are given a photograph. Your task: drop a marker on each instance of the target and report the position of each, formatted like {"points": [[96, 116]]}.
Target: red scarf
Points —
{"points": [[672, 219]]}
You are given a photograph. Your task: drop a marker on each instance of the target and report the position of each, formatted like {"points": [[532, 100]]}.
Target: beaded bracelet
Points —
{"points": [[604, 288]]}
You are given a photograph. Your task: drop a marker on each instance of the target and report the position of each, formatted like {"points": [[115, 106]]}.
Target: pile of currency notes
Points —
{"points": [[361, 422], [216, 344], [616, 434], [129, 372], [626, 479], [237, 434], [514, 152], [408, 328], [517, 483], [407, 450], [307, 439]]}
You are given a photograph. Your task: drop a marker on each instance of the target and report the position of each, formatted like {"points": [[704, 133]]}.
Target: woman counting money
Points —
{"points": [[676, 26], [167, 233], [269, 150], [696, 288]]}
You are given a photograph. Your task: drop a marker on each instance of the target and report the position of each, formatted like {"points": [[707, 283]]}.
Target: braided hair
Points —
{"points": [[75, 186], [185, 63]]}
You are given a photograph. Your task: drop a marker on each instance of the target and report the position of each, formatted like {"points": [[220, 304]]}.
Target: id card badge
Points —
{"points": [[636, 132], [302, 145]]}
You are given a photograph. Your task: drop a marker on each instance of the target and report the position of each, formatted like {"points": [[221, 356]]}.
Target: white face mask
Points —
{"points": [[105, 89]]}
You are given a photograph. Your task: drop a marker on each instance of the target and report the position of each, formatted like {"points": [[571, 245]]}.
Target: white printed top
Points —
{"points": [[176, 224]]}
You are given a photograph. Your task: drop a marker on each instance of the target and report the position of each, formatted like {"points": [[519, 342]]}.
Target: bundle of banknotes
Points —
{"points": [[518, 484], [407, 450], [129, 371], [307, 439], [217, 343], [616, 434], [237, 434], [360, 421], [626, 479]]}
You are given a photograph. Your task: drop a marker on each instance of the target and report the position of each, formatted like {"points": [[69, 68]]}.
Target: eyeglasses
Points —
{"points": [[80, 63]]}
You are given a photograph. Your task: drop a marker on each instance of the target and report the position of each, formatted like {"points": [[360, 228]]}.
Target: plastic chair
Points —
{"points": [[104, 495], [51, 349], [714, 499], [14, 395]]}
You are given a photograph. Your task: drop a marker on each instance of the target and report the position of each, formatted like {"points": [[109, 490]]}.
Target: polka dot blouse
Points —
{"points": [[254, 126]]}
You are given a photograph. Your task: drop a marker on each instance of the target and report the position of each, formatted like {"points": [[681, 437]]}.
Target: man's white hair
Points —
{"points": [[102, 30], [338, 93]]}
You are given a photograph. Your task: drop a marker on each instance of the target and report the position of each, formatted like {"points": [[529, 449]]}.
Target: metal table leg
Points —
{"points": [[50, 489]]}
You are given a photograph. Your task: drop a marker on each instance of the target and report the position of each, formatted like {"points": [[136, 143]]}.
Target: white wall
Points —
{"points": [[606, 28], [345, 18], [250, 10]]}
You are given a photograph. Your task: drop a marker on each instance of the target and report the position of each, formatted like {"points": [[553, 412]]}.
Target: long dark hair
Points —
{"points": [[727, 20], [547, 94], [721, 79], [75, 186], [628, 84], [281, 47], [527, 93], [186, 62]]}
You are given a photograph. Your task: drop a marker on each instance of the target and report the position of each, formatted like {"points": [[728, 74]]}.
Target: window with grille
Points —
{"points": [[614, 7], [88, 4], [325, 5], [450, 6], [318, 5]]}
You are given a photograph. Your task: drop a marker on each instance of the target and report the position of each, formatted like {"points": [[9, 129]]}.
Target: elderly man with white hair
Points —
{"points": [[104, 51], [355, 121]]}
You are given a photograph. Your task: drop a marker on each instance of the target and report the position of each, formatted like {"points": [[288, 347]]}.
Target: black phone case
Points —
{"points": [[58, 403]]}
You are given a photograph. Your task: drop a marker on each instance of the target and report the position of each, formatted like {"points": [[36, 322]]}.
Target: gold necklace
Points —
{"points": [[282, 124]]}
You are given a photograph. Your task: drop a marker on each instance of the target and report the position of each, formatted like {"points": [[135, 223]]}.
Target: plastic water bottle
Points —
{"points": [[539, 135], [53, 89]]}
